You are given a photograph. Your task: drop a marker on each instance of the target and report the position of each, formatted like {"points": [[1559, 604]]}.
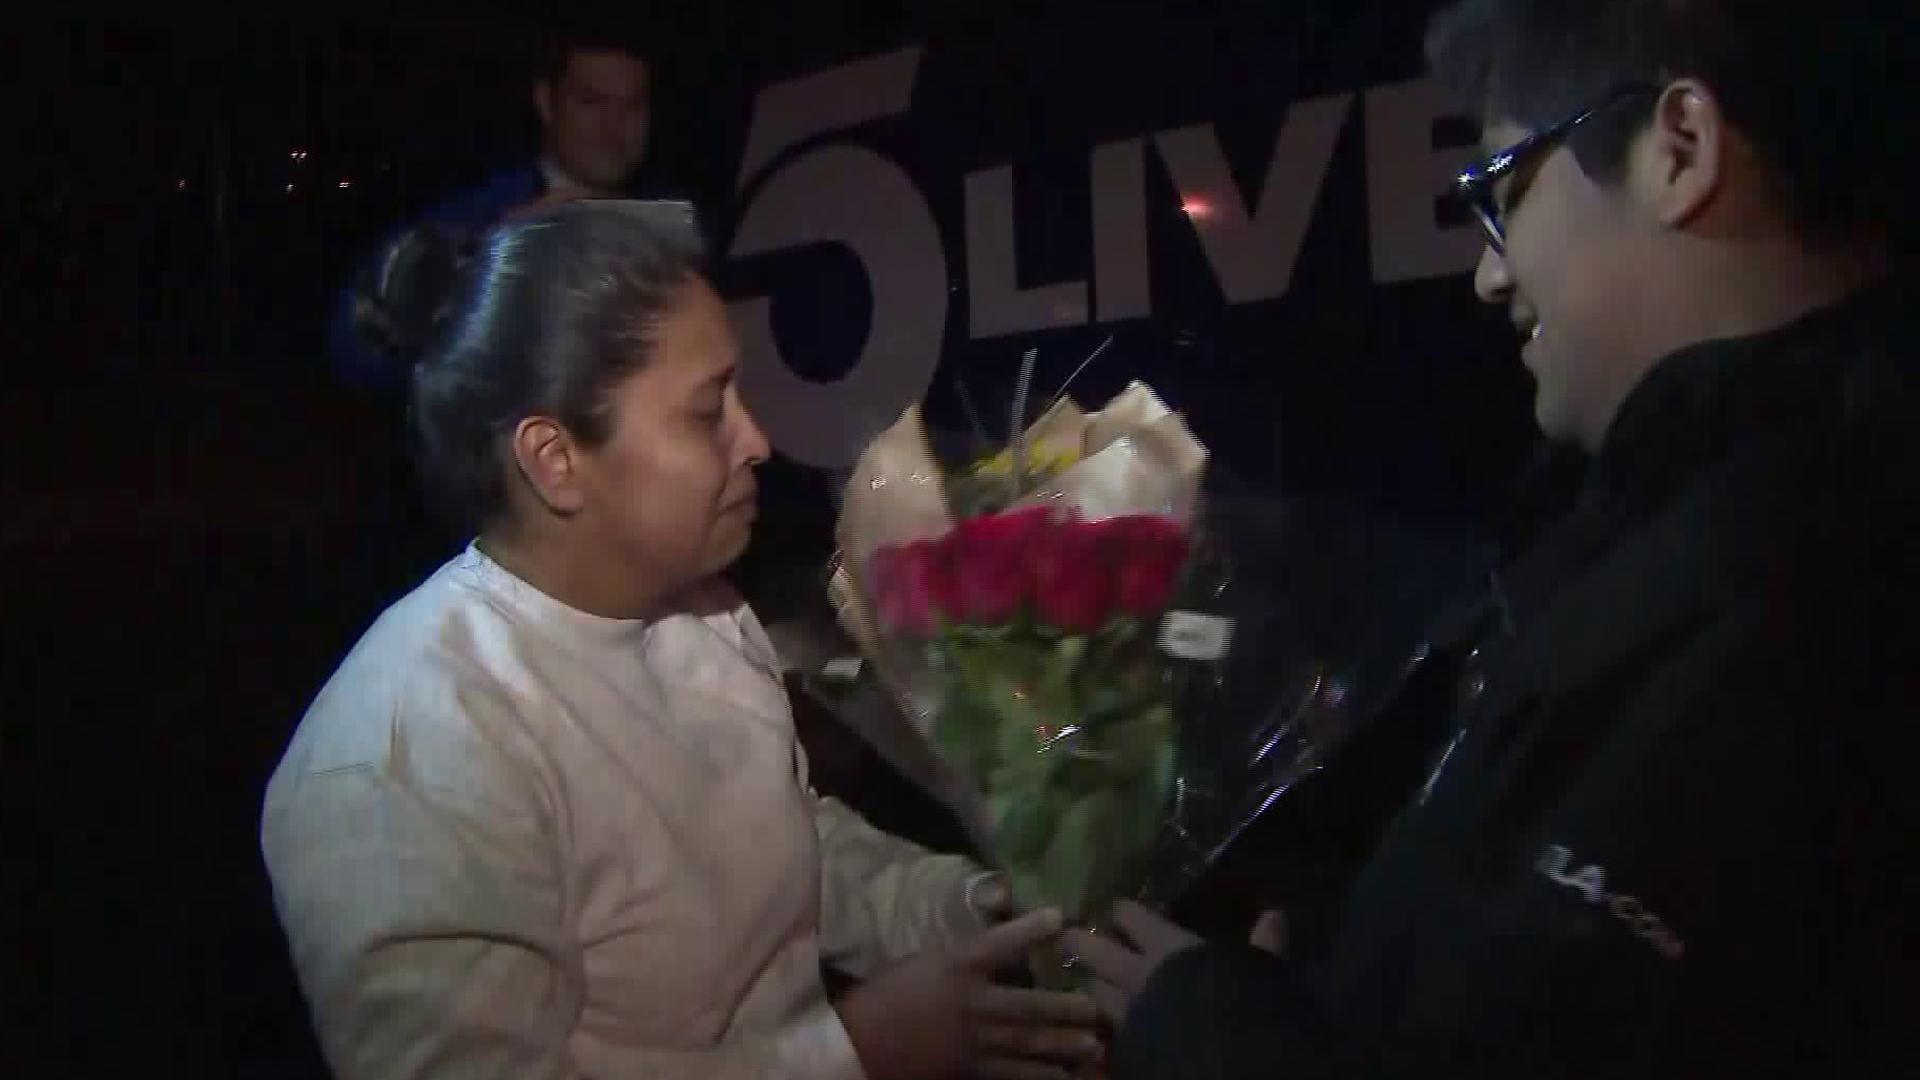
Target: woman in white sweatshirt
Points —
{"points": [[549, 819]]}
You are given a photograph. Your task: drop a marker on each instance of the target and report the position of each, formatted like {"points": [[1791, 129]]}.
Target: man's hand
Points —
{"points": [[940, 1015], [1123, 961], [1269, 932]]}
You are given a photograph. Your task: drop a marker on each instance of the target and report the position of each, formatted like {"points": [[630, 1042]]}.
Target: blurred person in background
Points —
{"points": [[593, 94]]}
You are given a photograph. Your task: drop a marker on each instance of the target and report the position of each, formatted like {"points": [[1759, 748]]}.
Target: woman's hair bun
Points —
{"points": [[401, 304]]}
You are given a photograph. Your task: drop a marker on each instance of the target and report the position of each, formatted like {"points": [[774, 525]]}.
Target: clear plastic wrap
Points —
{"points": [[1068, 622], [1017, 605], [1020, 607], [1332, 606]]}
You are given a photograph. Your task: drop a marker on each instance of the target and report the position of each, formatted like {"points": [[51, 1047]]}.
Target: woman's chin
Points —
{"points": [[729, 545]]}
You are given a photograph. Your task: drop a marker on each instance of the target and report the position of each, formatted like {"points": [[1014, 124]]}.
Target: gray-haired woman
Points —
{"points": [[549, 818]]}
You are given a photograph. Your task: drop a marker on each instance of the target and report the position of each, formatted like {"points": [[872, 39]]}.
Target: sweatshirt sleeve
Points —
{"points": [[882, 898], [428, 926]]}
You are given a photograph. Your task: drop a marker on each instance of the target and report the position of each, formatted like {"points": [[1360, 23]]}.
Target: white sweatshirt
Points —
{"points": [[511, 839]]}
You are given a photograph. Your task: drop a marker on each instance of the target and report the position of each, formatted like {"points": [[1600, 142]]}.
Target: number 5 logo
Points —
{"points": [[847, 195]]}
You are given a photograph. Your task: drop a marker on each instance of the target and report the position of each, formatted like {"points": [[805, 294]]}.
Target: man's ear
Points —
{"points": [[547, 456], [543, 101], [1682, 159]]}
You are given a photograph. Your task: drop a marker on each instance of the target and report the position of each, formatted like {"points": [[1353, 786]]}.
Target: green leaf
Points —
{"points": [[1065, 658], [1028, 892], [974, 636], [968, 746], [1135, 745], [1074, 819], [1023, 773], [1015, 736], [1074, 856], [1078, 772], [1054, 689], [967, 733], [1119, 633], [1023, 825], [1164, 762]]}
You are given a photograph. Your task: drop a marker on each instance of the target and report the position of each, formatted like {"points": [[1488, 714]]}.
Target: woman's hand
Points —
{"points": [[940, 1015], [991, 899], [1124, 960]]}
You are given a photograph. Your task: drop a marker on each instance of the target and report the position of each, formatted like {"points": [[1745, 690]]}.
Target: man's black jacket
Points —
{"points": [[1672, 830]]}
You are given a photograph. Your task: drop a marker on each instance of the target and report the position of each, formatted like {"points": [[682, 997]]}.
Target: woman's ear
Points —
{"points": [[545, 454]]}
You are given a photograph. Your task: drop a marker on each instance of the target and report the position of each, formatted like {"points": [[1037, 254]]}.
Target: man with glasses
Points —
{"points": [[1671, 833]]}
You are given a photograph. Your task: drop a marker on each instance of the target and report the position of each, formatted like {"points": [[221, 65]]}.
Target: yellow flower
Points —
{"points": [[1047, 459]]}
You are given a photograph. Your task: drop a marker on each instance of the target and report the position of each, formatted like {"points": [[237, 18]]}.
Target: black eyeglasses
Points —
{"points": [[1477, 187]]}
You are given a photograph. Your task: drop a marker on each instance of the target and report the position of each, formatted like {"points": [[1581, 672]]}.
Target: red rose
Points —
{"points": [[1147, 551], [1072, 579], [910, 587], [990, 563]]}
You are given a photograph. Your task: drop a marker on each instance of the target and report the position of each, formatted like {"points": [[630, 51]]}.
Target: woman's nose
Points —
{"points": [[750, 442]]}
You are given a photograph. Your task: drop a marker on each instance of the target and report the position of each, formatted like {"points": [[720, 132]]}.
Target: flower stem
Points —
{"points": [[1018, 436]]}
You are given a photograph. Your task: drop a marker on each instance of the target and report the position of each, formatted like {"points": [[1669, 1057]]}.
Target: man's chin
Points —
{"points": [[600, 176], [1550, 416], [622, 171]]}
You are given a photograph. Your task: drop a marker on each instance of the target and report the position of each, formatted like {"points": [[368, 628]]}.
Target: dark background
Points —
{"points": [[198, 521]]}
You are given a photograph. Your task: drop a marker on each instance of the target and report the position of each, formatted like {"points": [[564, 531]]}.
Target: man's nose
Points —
{"points": [[1491, 280]]}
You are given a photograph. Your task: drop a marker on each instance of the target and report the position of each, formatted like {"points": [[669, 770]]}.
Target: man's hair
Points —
{"points": [[559, 48], [1819, 90]]}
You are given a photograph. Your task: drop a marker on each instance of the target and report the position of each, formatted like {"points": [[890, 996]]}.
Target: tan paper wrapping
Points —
{"points": [[1136, 456]]}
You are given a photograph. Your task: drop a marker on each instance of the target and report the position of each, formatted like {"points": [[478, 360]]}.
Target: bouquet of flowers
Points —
{"points": [[1115, 685], [1021, 604]]}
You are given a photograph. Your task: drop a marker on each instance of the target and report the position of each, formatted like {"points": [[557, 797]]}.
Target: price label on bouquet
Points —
{"points": [[1191, 635], [842, 668]]}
